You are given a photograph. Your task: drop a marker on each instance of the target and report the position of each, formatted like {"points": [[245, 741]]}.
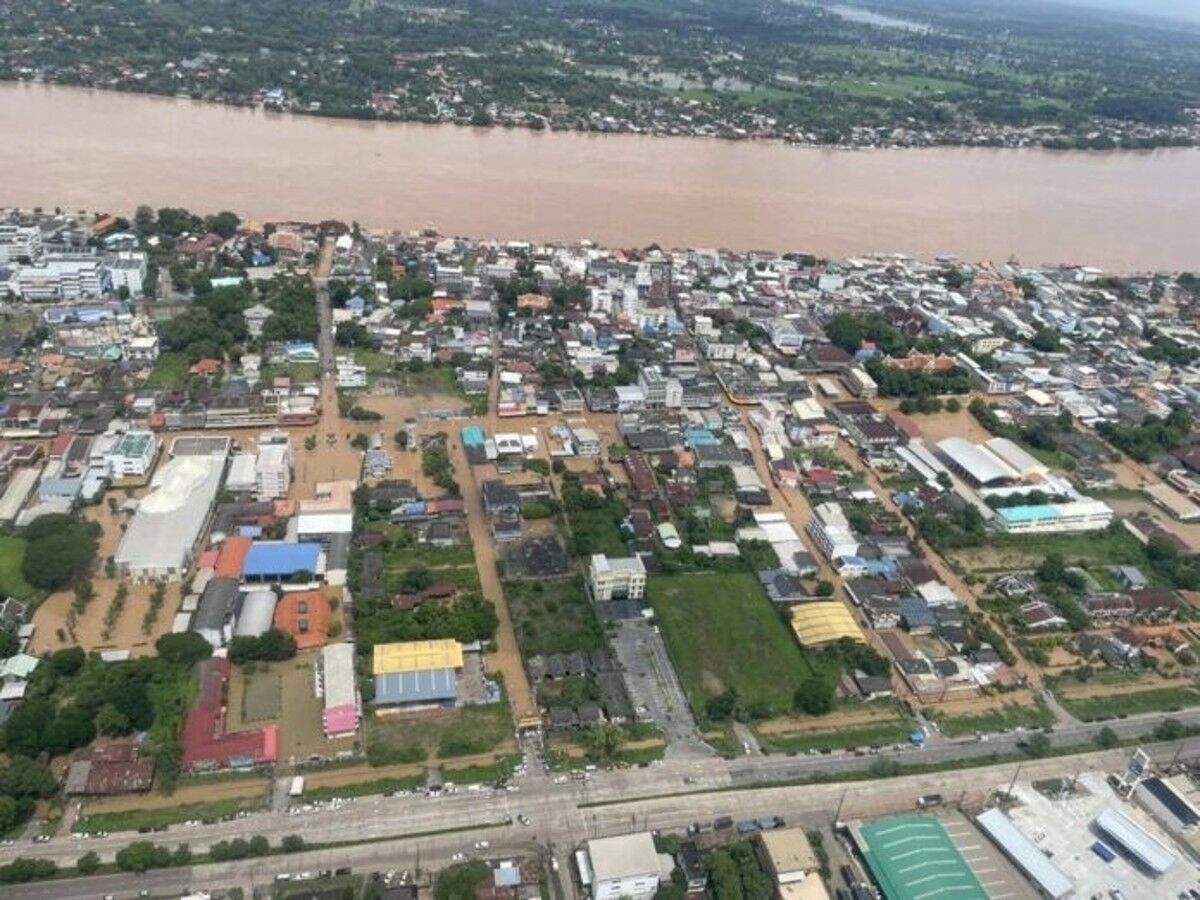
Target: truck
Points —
{"points": [[297, 788], [722, 823], [1102, 851], [747, 826], [927, 800]]}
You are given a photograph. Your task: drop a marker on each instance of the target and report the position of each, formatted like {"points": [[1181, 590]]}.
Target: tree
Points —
{"points": [[141, 856], [272, 646], [1170, 729], [1036, 745], [72, 727], [184, 649], [1047, 340], [1107, 739], [88, 863], [259, 846], [182, 856], [814, 695], [60, 550], [605, 740], [112, 722], [292, 843], [1053, 569], [223, 223]]}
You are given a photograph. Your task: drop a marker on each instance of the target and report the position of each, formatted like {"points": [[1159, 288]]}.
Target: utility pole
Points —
{"points": [[1012, 784]]}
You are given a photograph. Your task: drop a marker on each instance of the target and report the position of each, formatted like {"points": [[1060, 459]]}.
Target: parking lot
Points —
{"points": [[1063, 829], [653, 687]]}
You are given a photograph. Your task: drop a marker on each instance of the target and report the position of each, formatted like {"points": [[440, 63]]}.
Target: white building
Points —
{"points": [[350, 374], [832, 532], [133, 455], [627, 866], [19, 243], [586, 441], [615, 578], [256, 316], [128, 270], [273, 470], [63, 278], [142, 349]]}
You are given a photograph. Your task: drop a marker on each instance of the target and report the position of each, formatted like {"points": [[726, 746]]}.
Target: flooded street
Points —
{"points": [[89, 149]]}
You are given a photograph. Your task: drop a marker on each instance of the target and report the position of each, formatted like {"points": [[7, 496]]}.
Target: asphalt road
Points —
{"points": [[561, 817]]}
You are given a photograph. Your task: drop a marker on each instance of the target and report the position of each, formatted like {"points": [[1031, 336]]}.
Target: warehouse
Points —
{"points": [[1141, 847], [980, 466], [213, 620], [417, 674], [162, 536], [20, 485], [276, 561], [256, 615], [907, 854], [342, 705], [824, 622], [1025, 854]]}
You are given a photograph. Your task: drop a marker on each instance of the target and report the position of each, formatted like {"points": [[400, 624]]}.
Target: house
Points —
{"points": [[256, 316]]}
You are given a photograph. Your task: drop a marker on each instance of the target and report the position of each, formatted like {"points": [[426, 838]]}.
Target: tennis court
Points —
{"points": [[912, 858]]}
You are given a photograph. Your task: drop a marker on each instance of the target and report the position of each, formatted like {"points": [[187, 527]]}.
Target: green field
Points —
{"points": [[366, 788], [133, 819], [894, 87], [465, 732], [723, 634], [553, 615], [12, 582], [1120, 704], [1005, 717], [170, 371]]}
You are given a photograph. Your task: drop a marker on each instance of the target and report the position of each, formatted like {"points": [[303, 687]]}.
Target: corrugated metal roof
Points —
{"points": [[412, 656], [267, 558], [423, 686], [978, 462], [1124, 831], [1178, 806], [1022, 851]]}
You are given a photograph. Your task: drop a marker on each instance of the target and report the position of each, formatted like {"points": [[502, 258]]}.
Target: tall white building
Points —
{"points": [[128, 270], [615, 578], [273, 470], [832, 532], [20, 242], [627, 866], [63, 278]]}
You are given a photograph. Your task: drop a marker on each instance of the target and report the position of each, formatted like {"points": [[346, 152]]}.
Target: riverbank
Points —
{"points": [[1118, 211]]}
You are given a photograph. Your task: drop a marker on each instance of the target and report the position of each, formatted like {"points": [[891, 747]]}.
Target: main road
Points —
{"points": [[561, 816]]}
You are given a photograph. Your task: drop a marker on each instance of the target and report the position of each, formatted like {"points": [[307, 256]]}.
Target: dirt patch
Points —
{"points": [[839, 719], [50, 619], [194, 792]]}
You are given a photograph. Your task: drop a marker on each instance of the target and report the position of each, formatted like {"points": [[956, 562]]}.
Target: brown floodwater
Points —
{"points": [[107, 151]]}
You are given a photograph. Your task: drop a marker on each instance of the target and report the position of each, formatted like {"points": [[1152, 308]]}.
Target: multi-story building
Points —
{"points": [[67, 277], [273, 468], [832, 532], [133, 455], [128, 270], [20, 243], [610, 579], [626, 866]]}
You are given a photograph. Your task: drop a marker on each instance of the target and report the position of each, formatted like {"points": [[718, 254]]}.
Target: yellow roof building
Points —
{"points": [[416, 656], [824, 622]]}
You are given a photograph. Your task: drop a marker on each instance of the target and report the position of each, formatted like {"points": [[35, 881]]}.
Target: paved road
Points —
{"points": [[561, 817]]}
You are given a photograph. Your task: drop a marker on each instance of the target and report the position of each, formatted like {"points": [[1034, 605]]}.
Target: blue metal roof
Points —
{"points": [[280, 558], [422, 686], [1039, 513]]}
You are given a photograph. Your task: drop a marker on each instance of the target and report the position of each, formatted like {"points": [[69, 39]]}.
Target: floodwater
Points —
{"points": [[106, 151]]}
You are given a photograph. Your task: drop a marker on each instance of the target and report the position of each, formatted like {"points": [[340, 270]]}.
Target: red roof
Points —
{"points": [[232, 558], [206, 366], [206, 744], [61, 442]]}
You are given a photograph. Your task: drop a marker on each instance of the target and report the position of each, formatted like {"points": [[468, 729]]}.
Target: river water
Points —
{"points": [[107, 151]]}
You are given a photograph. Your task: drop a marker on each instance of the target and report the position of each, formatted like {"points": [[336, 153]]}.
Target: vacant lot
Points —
{"points": [[723, 634], [170, 371], [1125, 702], [1002, 554], [443, 734], [553, 615], [262, 696], [1003, 717], [887, 726], [133, 819]]}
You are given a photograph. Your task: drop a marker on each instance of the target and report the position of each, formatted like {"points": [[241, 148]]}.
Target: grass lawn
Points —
{"points": [[133, 819], [366, 788], [553, 616], [462, 732], [1121, 704], [894, 87], [1007, 716], [722, 634], [596, 531], [1006, 553], [375, 361], [886, 731], [12, 582], [497, 771], [170, 371]]}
